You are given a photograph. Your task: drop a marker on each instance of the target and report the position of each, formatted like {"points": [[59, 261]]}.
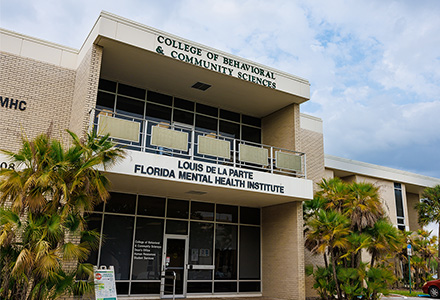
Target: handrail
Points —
{"points": [[174, 276], [144, 144]]}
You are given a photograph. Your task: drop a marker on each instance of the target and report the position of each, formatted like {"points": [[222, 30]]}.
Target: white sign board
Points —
{"points": [[105, 287], [196, 172]]}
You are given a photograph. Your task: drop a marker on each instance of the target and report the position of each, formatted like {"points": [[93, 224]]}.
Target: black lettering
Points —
{"points": [[4, 102], [22, 105]]}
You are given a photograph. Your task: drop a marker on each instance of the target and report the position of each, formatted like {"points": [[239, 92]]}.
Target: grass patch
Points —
{"points": [[414, 293]]}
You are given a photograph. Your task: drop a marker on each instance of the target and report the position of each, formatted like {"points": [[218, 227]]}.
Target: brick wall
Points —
{"points": [[280, 128], [86, 90], [47, 90], [312, 144], [283, 252]]}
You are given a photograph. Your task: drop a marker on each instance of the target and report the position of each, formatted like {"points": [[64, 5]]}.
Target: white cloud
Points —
{"points": [[373, 65]]}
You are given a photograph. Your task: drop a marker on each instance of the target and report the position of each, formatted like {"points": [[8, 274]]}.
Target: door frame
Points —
{"points": [[185, 264]]}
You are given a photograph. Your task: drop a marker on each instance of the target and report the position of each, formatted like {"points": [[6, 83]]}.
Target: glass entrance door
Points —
{"points": [[174, 267]]}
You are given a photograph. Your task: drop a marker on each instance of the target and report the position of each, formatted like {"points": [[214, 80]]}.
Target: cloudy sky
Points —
{"points": [[373, 65]]}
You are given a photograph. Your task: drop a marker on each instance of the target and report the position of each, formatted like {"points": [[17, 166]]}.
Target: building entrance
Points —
{"points": [[174, 264]]}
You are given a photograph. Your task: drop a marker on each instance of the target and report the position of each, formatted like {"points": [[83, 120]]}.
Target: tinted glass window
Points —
{"points": [[177, 209], [199, 287], [207, 110], [184, 104], [250, 215], [107, 85], [251, 134], [131, 91], [106, 100], [251, 120], [116, 249], [122, 288], [130, 106], [226, 252], [399, 202], [201, 244], [206, 123], [177, 227], [224, 287], [249, 287], [147, 252], [121, 203], [183, 117], [202, 211], [230, 129], [159, 98], [229, 115], [94, 222], [157, 112], [199, 274], [249, 252], [226, 213], [145, 287], [151, 206]]}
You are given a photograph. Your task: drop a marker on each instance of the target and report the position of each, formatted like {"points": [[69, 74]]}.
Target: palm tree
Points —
{"points": [[328, 234], [429, 209], [385, 239], [42, 229], [343, 219], [363, 206], [333, 194]]}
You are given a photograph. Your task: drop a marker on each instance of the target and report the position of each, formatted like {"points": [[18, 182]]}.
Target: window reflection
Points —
{"points": [[116, 249], [226, 251]]}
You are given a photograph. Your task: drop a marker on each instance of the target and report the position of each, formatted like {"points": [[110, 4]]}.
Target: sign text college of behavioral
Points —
{"points": [[214, 62]]}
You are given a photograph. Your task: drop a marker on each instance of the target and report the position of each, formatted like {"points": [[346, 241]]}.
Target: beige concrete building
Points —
{"points": [[219, 158], [399, 190]]}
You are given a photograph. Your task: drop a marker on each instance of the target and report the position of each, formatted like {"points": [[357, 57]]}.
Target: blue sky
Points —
{"points": [[374, 66]]}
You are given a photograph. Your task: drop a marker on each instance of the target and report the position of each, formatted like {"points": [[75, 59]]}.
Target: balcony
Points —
{"points": [[185, 142]]}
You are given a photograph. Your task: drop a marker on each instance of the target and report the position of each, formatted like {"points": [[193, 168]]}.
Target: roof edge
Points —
{"points": [[377, 171]]}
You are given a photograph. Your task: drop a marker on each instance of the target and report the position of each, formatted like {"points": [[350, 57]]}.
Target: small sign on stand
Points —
{"points": [[105, 286]]}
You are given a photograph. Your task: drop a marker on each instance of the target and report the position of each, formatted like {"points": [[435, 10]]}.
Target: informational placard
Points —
{"points": [[105, 287], [409, 250]]}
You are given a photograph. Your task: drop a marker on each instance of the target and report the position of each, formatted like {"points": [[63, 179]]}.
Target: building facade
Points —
{"points": [[219, 158]]}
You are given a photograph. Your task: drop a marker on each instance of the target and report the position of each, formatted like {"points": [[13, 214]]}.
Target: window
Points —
{"points": [[140, 103], [399, 206], [226, 237]]}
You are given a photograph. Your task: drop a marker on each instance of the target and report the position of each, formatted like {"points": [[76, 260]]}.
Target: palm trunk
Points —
{"points": [[373, 258], [325, 261], [334, 275]]}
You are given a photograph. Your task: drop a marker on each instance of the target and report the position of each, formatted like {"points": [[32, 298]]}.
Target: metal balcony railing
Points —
{"points": [[184, 141]]}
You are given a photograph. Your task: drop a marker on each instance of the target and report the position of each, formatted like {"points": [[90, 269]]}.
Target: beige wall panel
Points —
{"points": [[289, 161], [278, 129], [412, 200], [386, 192], [86, 90], [283, 252], [41, 52], [119, 128], [47, 90], [214, 147], [254, 155], [169, 138], [328, 174], [312, 144], [10, 43]]}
